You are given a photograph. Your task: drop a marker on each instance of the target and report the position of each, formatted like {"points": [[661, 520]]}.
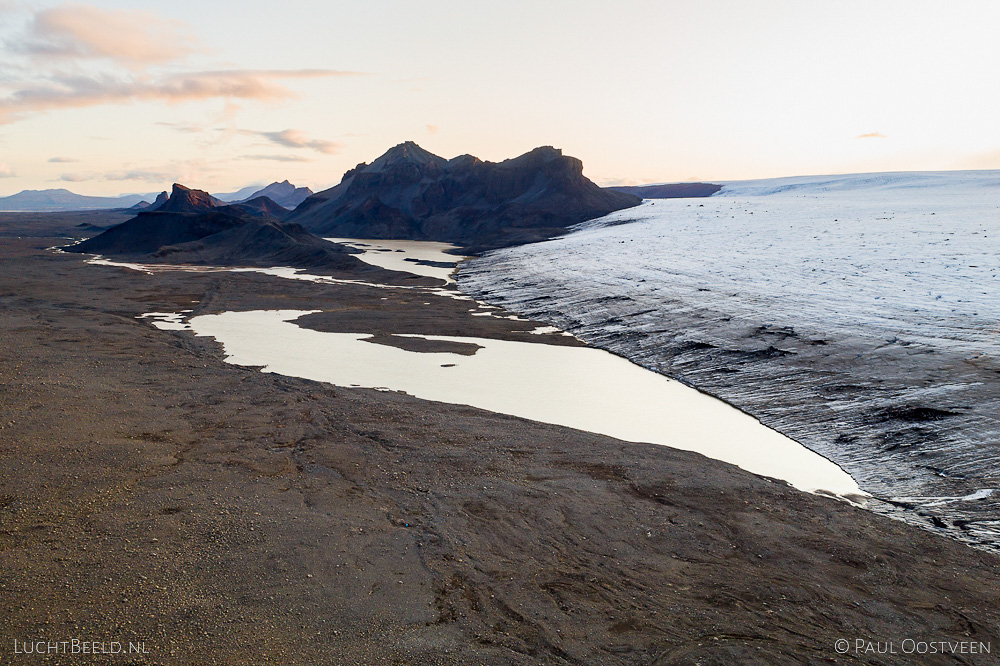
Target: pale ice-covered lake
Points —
{"points": [[858, 314], [425, 258], [580, 387]]}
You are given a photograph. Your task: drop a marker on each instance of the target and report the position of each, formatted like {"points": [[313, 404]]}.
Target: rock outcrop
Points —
{"points": [[191, 228], [410, 193]]}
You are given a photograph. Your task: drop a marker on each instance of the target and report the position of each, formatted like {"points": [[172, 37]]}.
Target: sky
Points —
{"points": [[110, 97]]}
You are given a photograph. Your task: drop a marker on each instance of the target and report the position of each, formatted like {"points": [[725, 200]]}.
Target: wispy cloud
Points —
{"points": [[76, 177], [278, 158], [179, 172], [6, 171], [77, 55], [62, 160], [145, 175], [62, 92], [133, 39], [293, 138], [432, 129], [871, 135], [185, 128]]}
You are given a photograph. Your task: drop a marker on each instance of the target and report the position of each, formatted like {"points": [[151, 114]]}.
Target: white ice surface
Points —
{"points": [[910, 255]]}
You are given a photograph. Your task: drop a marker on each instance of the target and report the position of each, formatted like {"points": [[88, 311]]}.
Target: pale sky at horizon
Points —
{"points": [[109, 97]]}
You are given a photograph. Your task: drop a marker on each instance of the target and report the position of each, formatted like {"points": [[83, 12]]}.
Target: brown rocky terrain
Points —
{"points": [[151, 492]]}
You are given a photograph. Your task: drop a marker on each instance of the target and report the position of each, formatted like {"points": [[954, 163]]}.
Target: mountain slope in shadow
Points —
{"points": [[410, 193], [191, 228]]}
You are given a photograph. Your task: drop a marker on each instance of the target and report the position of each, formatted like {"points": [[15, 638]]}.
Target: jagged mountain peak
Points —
{"points": [[186, 200], [411, 193], [406, 152]]}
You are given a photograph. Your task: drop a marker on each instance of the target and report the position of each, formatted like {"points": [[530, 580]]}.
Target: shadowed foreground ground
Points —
{"points": [[150, 492]]}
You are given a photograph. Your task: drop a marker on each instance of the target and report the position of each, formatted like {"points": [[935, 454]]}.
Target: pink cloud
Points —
{"points": [[135, 39], [122, 53], [871, 135], [62, 92], [6, 171]]}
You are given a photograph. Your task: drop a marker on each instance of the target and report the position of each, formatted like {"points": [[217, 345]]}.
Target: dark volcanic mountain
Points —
{"points": [[186, 200], [190, 228], [411, 193], [670, 190], [261, 206], [161, 199], [284, 194]]}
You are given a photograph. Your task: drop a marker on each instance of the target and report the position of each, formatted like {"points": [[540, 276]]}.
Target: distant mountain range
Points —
{"points": [[239, 195], [284, 194], [193, 227], [62, 200], [670, 190], [406, 193], [410, 193]]}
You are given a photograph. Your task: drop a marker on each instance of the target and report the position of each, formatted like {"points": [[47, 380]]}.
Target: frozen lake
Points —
{"points": [[425, 258], [579, 387]]}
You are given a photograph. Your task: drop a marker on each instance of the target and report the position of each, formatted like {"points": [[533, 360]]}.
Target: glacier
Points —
{"points": [[858, 314]]}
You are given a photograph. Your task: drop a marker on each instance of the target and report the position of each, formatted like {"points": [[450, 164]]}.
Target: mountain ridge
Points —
{"points": [[669, 190], [284, 194], [61, 199], [410, 193], [191, 227]]}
